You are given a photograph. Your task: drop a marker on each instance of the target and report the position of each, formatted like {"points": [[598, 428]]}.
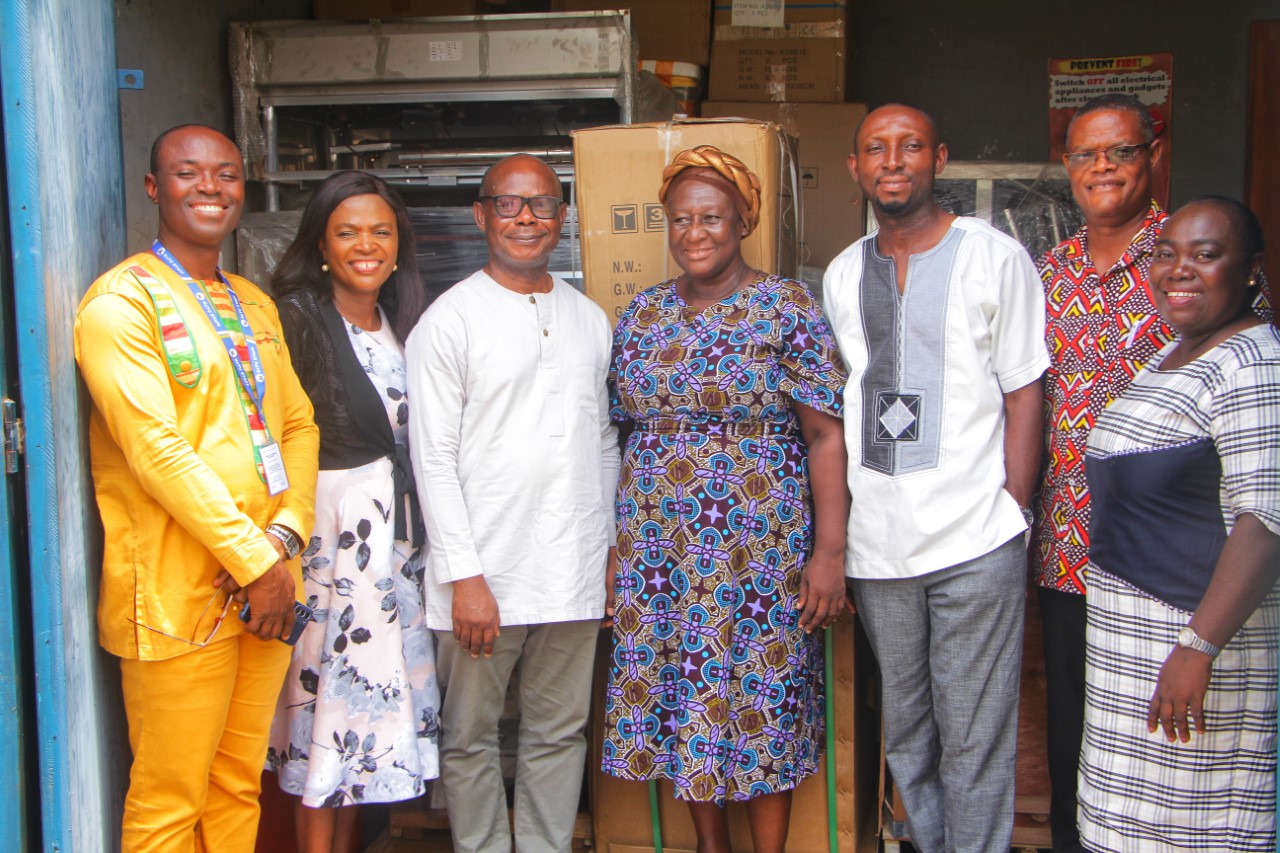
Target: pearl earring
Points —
{"points": [[395, 267], [324, 268]]}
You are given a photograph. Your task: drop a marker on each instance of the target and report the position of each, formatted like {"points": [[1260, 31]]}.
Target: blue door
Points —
{"points": [[15, 659]]}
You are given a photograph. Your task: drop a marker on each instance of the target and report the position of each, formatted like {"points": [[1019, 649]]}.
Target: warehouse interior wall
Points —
{"points": [[181, 48], [981, 70]]}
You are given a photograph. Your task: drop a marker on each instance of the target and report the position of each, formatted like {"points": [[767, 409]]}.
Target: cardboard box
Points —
{"points": [[803, 60], [674, 30], [617, 175], [363, 10], [832, 208]]}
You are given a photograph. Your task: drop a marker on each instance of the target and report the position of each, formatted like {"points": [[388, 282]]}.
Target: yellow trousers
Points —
{"points": [[198, 726]]}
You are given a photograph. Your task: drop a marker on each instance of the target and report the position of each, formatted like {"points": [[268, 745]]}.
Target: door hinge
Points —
{"points": [[14, 439]]}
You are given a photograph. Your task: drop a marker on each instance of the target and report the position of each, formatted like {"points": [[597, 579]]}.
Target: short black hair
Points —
{"points": [[402, 297], [160, 140], [933, 124], [1121, 102], [1243, 220]]}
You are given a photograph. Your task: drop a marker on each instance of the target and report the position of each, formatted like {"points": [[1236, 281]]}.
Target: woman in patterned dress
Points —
{"points": [[357, 717], [732, 509], [1184, 468]]}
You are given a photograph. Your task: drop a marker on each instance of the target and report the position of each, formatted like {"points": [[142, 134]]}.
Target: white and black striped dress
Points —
{"points": [[1171, 465]]}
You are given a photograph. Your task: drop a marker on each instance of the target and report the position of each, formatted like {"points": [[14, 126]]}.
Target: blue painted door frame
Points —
{"points": [[14, 657], [66, 224]]}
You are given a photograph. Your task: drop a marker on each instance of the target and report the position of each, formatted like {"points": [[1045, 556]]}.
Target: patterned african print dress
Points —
{"points": [[357, 720], [712, 683]]}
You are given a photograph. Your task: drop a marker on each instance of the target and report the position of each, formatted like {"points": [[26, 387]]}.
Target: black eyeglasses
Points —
{"points": [[1118, 154], [509, 206]]}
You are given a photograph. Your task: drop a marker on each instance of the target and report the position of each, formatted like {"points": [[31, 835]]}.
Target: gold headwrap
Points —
{"points": [[726, 166]]}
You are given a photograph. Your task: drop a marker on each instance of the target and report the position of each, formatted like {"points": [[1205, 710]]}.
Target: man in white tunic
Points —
{"points": [[516, 467], [941, 319]]}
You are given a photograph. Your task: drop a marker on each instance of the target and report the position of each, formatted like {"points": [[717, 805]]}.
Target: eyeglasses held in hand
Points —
{"points": [[509, 206], [1118, 154], [217, 623]]}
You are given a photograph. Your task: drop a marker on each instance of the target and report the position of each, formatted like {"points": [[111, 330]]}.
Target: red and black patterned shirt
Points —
{"points": [[1100, 330]]}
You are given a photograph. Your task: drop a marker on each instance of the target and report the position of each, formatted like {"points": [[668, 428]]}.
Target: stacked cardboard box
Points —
{"points": [[617, 174], [831, 203], [786, 63], [801, 58], [667, 30]]}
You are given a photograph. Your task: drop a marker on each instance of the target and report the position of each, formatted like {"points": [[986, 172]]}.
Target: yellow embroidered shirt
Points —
{"points": [[173, 466]]}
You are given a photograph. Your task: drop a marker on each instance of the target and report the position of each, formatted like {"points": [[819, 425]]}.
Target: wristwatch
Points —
{"points": [[1028, 515], [1189, 639], [289, 539]]}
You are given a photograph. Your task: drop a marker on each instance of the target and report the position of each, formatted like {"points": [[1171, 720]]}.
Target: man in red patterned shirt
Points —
{"points": [[1101, 328]]}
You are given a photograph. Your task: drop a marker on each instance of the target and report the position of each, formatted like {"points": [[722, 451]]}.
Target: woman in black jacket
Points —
{"points": [[357, 716]]}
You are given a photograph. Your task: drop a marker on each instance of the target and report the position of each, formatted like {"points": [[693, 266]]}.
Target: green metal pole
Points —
{"points": [[828, 667], [653, 816]]}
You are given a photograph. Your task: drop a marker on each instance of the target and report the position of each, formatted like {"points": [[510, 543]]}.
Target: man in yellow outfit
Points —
{"points": [[204, 458]]}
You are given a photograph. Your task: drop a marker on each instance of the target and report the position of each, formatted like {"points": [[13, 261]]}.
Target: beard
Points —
{"points": [[921, 195]]}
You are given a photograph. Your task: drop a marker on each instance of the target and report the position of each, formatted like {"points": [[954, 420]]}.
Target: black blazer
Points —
{"points": [[348, 409]]}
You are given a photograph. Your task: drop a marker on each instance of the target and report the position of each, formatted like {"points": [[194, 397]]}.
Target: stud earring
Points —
{"points": [[1253, 281], [324, 268], [395, 267]]}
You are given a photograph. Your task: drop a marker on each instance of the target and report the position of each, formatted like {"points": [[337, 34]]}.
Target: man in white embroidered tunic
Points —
{"points": [[516, 466], [941, 320]]}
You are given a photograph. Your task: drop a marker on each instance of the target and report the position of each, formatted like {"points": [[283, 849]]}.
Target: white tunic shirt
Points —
{"points": [[924, 407], [515, 458]]}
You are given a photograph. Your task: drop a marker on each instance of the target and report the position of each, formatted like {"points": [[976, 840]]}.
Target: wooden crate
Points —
{"points": [[1031, 796]]}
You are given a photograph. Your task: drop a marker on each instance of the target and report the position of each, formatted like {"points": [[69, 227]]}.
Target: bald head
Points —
{"points": [[518, 164]]}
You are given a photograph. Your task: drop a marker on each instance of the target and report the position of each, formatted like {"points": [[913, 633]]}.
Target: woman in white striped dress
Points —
{"points": [[1184, 469]]}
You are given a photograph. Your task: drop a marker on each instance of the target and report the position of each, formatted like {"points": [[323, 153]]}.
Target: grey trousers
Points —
{"points": [[949, 645], [555, 661]]}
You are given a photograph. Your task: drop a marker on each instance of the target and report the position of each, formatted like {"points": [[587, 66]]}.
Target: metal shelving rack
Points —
{"points": [[558, 61]]}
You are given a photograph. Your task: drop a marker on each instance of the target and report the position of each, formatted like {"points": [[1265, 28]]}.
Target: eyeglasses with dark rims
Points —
{"points": [[509, 206], [1118, 154]]}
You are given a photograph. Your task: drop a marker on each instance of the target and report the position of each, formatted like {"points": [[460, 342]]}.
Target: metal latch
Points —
{"points": [[13, 436]]}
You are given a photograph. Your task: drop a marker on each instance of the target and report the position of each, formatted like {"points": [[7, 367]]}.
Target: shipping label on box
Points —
{"points": [[617, 175], [802, 60], [831, 202]]}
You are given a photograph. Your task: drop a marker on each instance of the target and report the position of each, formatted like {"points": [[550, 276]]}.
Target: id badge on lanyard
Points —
{"points": [[268, 453]]}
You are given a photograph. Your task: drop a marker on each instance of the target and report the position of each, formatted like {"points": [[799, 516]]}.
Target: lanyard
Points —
{"points": [[256, 389]]}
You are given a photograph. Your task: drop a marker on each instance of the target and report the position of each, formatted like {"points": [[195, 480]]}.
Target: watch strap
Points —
{"points": [[1188, 638], [289, 539]]}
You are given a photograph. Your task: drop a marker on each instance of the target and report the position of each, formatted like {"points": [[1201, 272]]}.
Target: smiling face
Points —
{"points": [[522, 242], [1199, 271], [360, 244], [705, 232], [199, 187], [895, 158], [1111, 194]]}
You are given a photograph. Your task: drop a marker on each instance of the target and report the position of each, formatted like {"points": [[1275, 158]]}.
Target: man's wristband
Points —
{"points": [[292, 544]]}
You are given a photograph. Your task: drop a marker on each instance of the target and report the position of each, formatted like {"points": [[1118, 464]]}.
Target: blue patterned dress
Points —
{"points": [[712, 682]]}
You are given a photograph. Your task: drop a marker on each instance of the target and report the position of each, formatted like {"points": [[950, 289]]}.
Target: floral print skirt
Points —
{"points": [[357, 720]]}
